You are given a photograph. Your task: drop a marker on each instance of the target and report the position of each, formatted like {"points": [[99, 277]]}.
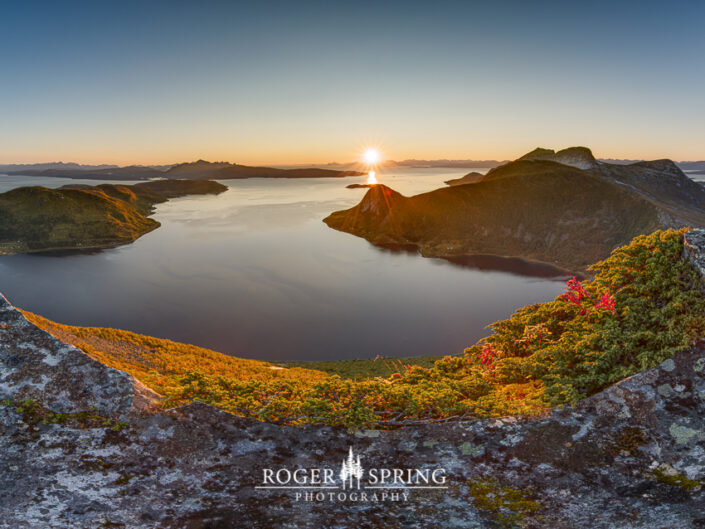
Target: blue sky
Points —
{"points": [[296, 82]]}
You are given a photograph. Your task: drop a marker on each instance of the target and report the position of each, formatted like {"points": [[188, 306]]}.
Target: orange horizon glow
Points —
{"points": [[322, 157]]}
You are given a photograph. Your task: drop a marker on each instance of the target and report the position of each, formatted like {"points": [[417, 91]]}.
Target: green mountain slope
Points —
{"points": [[537, 209], [37, 218]]}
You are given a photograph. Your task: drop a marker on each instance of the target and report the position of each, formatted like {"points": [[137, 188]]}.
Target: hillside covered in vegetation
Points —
{"points": [[563, 208], [644, 304], [74, 217]]}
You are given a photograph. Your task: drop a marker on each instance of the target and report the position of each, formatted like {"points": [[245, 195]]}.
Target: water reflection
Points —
{"points": [[511, 265]]}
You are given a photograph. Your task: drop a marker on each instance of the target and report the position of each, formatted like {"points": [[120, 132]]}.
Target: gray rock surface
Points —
{"points": [[632, 456], [694, 249]]}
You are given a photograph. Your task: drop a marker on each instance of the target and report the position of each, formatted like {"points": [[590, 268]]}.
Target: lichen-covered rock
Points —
{"points": [[630, 457], [34, 365], [694, 249]]}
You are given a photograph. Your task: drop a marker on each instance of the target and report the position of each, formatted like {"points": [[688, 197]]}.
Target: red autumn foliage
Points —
{"points": [[606, 302], [487, 355], [576, 294]]}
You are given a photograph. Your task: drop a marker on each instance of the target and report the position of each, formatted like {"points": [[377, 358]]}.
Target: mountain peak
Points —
{"points": [[580, 157], [663, 165], [378, 199]]}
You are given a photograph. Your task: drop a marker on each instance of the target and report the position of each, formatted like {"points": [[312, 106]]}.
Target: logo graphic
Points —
{"points": [[350, 469], [347, 484]]}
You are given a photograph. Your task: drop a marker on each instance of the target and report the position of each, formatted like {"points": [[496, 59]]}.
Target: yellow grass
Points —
{"points": [[160, 363]]}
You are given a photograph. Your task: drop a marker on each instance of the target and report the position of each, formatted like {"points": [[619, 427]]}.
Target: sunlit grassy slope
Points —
{"points": [[161, 364]]}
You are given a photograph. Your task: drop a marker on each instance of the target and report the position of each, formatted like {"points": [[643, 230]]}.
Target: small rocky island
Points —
{"points": [[564, 208], [34, 219]]}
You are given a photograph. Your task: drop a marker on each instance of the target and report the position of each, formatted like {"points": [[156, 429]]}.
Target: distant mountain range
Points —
{"points": [[199, 170], [565, 208], [490, 164], [210, 170], [462, 164], [68, 166]]}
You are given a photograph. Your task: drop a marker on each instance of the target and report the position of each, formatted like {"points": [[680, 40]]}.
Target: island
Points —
{"points": [[34, 219], [563, 208], [198, 170]]}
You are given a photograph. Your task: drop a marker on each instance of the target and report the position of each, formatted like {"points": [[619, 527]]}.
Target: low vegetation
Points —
{"points": [[508, 506], [644, 304], [362, 368], [34, 414]]}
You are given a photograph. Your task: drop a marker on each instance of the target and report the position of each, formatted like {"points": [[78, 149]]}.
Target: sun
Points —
{"points": [[371, 157]]}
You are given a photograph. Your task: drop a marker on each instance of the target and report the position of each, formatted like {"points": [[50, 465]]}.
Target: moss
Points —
{"points": [[34, 414], [108, 524], [627, 441], [508, 506], [124, 479], [678, 480], [97, 464]]}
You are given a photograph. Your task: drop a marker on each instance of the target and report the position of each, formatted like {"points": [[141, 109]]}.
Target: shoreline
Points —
{"points": [[412, 248], [106, 246]]}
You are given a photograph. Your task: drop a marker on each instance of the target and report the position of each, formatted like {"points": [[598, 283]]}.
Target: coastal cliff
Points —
{"points": [[85, 445]]}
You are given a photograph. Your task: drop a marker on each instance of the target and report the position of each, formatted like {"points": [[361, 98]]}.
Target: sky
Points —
{"points": [[313, 82]]}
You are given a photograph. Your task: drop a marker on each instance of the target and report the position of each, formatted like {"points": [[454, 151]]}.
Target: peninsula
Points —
{"points": [[34, 219], [564, 208]]}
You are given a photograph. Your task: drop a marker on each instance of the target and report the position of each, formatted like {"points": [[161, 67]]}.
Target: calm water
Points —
{"points": [[256, 273]]}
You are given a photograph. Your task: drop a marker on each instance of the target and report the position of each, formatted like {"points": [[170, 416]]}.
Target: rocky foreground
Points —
{"points": [[83, 445]]}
